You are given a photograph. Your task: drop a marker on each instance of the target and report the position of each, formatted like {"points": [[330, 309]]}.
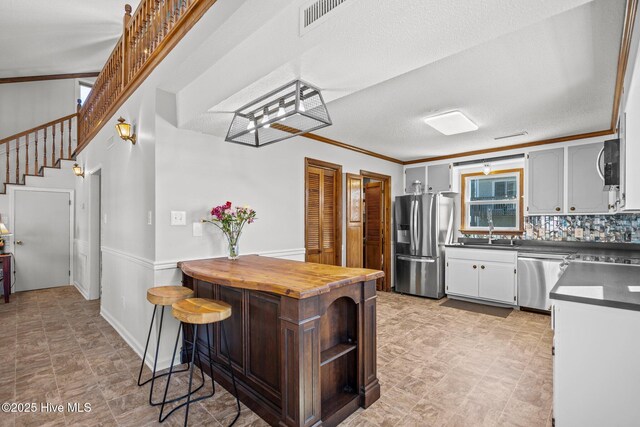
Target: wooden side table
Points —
{"points": [[5, 259]]}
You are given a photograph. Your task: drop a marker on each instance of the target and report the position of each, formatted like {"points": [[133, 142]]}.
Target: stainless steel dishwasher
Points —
{"points": [[537, 275]]}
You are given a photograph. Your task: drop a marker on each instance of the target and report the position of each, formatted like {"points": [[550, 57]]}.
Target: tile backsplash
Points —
{"points": [[620, 228]]}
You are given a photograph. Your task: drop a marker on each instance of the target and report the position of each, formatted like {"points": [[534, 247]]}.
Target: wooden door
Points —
{"points": [[322, 211], [373, 235], [354, 220]]}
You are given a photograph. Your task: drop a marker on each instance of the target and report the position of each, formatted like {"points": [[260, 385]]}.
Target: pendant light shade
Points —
{"points": [[260, 122]]}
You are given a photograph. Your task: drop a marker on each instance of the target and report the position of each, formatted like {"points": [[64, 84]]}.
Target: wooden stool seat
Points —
{"points": [[168, 295], [200, 311]]}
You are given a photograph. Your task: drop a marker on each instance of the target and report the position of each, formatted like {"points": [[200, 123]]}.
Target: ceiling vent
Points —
{"points": [[317, 11]]}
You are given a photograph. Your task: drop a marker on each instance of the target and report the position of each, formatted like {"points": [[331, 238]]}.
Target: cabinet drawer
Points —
{"points": [[488, 255]]}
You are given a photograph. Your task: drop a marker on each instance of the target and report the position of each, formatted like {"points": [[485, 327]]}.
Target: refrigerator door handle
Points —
{"points": [[412, 226], [420, 260]]}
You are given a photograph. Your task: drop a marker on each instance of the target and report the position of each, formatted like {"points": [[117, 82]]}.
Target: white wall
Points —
{"points": [[195, 172], [26, 105]]}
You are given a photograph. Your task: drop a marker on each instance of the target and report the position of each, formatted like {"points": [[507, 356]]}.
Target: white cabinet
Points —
{"points": [[596, 374], [412, 175], [482, 274], [462, 277], [547, 186], [545, 182], [439, 178], [585, 192]]}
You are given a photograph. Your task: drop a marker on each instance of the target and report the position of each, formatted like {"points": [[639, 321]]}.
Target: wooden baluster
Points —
{"points": [[61, 142], [53, 146], [69, 148], [18, 161], [26, 154], [45, 149], [35, 172]]}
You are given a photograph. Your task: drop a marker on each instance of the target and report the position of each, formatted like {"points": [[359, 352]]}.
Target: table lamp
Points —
{"points": [[4, 232]]}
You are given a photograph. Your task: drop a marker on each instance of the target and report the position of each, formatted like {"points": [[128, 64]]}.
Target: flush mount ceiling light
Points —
{"points": [[262, 122], [451, 123], [486, 169]]}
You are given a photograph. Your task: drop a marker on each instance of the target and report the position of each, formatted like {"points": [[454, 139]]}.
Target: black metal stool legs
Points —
{"points": [[194, 352], [233, 377], [154, 376]]}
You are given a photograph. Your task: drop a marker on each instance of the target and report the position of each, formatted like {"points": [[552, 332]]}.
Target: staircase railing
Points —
{"points": [[26, 153], [148, 36]]}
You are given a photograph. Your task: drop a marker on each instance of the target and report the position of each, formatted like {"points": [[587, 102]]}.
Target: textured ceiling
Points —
{"points": [[545, 67], [41, 37]]}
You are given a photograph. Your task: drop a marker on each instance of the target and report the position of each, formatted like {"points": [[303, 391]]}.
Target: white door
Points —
{"points": [[462, 277], [497, 282], [41, 236]]}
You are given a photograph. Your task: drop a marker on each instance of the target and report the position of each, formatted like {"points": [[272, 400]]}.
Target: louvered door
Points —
{"points": [[322, 216]]}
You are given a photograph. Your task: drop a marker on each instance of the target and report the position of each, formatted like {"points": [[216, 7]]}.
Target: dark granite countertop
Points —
{"points": [[630, 250], [609, 285]]}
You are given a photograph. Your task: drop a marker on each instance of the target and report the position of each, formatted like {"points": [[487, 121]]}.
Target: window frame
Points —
{"points": [[465, 202]]}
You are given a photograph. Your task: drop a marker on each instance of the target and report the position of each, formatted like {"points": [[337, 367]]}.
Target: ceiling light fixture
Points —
{"points": [[486, 169], [125, 131], [281, 111], [298, 102], [451, 123]]}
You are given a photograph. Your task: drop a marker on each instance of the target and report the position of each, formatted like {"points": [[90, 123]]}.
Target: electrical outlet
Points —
{"points": [[105, 218], [149, 218], [178, 218], [197, 229]]}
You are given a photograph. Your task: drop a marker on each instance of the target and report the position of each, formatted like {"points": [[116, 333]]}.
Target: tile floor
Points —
{"points": [[437, 366]]}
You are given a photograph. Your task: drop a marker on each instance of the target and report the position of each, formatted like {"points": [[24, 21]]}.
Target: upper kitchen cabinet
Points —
{"points": [[412, 175], [439, 178], [585, 192], [545, 172]]}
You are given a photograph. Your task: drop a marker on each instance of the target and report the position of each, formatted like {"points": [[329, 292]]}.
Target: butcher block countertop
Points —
{"points": [[294, 279]]}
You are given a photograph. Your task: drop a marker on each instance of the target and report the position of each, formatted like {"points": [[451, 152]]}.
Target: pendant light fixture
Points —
{"points": [[259, 123]]}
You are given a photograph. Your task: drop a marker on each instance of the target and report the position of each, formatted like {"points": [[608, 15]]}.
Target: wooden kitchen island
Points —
{"points": [[302, 336]]}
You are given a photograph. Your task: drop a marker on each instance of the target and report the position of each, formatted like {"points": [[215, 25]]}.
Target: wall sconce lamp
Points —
{"points": [[77, 170], [124, 131]]}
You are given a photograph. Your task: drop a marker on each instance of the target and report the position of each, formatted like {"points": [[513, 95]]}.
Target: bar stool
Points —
{"points": [[195, 312], [162, 296]]}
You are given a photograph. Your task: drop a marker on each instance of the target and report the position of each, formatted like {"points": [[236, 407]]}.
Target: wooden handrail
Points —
{"points": [[37, 128], [148, 35]]}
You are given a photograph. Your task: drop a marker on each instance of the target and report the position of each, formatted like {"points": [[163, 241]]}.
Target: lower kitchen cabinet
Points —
{"points": [[596, 373], [462, 277], [482, 274], [497, 281]]}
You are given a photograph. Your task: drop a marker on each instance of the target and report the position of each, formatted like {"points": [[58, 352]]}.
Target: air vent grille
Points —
{"points": [[314, 12]]}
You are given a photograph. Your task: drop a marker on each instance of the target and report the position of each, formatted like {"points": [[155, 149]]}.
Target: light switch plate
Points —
{"points": [[197, 229], [178, 218], [149, 218]]}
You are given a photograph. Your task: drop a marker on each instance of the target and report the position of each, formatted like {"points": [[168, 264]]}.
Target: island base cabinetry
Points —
{"points": [[297, 362]]}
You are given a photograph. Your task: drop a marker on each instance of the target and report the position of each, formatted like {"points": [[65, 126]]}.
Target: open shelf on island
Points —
{"points": [[339, 382], [335, 352]]}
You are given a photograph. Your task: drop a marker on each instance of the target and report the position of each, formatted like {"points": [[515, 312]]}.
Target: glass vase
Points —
{"points": [[234, 250]]}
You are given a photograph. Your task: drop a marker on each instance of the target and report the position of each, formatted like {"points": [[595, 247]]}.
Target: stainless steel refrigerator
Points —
{"points": [[423, 225]]}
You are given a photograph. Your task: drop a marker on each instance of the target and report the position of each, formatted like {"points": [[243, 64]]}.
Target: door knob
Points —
{"points": [[482, 267], [573, 208], [18, 242], [475, 266]]}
